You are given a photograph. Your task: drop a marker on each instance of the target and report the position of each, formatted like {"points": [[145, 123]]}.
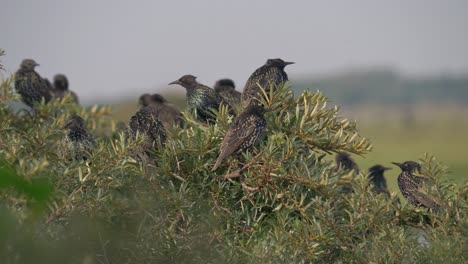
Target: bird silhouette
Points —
{"points": [[30, 85], [80, 141]]}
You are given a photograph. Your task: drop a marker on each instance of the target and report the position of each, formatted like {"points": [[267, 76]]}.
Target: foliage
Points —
{"points": [[285, 205]]}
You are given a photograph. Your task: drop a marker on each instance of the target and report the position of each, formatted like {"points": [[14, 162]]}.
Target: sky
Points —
{"points": [[110, 49]]}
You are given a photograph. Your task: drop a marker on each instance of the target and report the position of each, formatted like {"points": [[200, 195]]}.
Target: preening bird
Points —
{"points": [[227, 89]]}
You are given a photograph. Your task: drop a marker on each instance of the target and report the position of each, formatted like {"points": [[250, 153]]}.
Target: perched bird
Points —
{"points": [[227, 89], [80, 141], [411, 186], [30, 85], [376, 175], [246, 131], [201, 99], [168, 113], [343, 161], [267, 76], [146, 123], [61, 88]]}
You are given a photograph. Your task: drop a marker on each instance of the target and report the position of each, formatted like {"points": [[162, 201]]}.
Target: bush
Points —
{"points": [[286, 206]]}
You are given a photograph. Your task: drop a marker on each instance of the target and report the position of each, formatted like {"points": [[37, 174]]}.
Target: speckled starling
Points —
{"points": [[227, 89], [61, 88], [80, 141], [30, 85], [246, 131], [201, 99], [376, 175], [269, 75], [146, 124], [345, 162], [411, 186]]}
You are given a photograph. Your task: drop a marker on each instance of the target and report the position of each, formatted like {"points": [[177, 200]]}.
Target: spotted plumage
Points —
{"points": [[80, 141], [201, 99], [146, 124], [271, 74], [30, 85], [227, 89], [61, 88], [411, 186], [246, 131]]}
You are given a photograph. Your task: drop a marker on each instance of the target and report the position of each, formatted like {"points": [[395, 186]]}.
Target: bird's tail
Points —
{"points": [[218, 162]]}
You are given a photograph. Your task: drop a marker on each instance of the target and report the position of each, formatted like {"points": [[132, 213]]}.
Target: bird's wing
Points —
{"points": [[426, 200], [235, 137]]}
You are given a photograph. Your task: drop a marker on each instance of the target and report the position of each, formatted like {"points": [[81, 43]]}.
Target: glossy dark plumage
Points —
{"points": [[269, 75], [246, 131], [30, 85], [227, 89], [146, 123], [345, 162], [61, 88], [80, 141], [201, 99], [411, 186], [376, 175]]}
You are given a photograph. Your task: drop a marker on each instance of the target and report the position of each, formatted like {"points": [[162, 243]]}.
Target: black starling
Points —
{"points": [[269, 75], [227, 89], [343, 161], [80, 141], [201, 99], [30, 85], [168, 113], [146, 123], [378, 180], [411, 186], [246, 131], [61, 88]]}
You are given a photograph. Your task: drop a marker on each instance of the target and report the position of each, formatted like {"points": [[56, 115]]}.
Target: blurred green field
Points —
{"points": [[441, 132]]}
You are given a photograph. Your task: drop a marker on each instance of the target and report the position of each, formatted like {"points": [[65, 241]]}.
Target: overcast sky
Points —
{"points": [[114, 48]]}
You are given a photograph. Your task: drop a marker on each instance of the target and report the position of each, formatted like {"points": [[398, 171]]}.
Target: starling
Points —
{"points": [[144, 100], [30, 85], [344, 162], [168, 113], [80, 141], [411, 185], [146, 123], [378, 180], [246, 131], [269, 75], [201, 99], [227, 89], [61, 88]]}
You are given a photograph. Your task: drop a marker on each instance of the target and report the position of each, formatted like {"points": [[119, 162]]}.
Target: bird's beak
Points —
{"points": [[174, 82], [398, 164], [289, 62]]}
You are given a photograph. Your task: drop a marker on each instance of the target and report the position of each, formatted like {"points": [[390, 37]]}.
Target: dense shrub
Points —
{"points": [[285, 206]]}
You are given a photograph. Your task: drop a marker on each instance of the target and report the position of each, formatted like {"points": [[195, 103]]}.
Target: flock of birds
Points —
{"points": [[157, 116]]}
